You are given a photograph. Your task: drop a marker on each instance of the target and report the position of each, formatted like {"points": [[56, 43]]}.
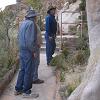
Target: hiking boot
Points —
{"points": [[38, 81], [17, 93], [30, 95]]}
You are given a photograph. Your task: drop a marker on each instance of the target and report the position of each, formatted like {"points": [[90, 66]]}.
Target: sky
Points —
{"points": [[4, 3]]}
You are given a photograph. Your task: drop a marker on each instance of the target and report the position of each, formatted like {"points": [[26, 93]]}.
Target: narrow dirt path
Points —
{"points": [[46, 91]]}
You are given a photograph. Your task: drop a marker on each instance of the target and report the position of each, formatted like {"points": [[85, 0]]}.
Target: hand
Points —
{"points": [[50, 38], [39, 45], [34, 55]]}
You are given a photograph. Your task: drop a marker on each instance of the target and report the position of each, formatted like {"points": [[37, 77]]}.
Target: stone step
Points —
{"points": [[63, 36], [58, 38], [43, 48], [44, 43], [43, 32], [69, 40]]}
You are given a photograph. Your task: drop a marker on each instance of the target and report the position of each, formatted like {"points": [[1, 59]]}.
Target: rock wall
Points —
{"points": [[89, 89], [46, 3], [69, 16], [21, 7]]}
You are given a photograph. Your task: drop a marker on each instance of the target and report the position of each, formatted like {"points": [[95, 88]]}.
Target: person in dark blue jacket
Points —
{"points": [[27, 48], [50, 35]]}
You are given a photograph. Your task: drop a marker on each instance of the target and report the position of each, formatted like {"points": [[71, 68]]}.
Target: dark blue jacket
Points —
{"points": [[51, 25]]}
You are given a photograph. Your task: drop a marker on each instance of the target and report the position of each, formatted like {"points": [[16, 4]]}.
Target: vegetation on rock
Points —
{"points": [[83, 5], [68, 61], [8, 49], [36, 4]]}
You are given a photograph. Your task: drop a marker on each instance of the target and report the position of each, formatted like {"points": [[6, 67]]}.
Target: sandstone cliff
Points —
{"points": [[89, 89]]}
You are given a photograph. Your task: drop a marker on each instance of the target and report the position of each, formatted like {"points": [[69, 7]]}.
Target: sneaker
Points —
{"points": [[38, 81], [48, 64], [17, 93], [30, 95]]}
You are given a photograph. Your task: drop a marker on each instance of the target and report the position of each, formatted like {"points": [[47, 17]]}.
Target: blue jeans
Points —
{"points": [[36, 62], [50, 48], [25, 77]]}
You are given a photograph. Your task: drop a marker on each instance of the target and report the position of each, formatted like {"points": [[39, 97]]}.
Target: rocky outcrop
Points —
{"points": [[21, 7], [89, 89], [11, 7], [46, 3], [70, 14]]}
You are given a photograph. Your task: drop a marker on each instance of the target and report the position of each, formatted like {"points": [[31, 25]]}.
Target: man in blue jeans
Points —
{"points": [[50, 35], [36, 80], [27, 48]]}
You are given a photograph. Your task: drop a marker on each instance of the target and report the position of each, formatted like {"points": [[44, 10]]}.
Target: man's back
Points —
{"points": [[26, 34], [51, 25]]}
